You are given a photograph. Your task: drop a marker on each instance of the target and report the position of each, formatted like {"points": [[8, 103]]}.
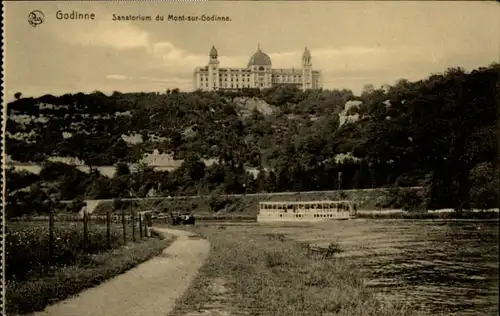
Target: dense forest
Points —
{"points": [[440, 133]]}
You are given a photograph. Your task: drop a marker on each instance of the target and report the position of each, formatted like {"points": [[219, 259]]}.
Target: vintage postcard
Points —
{"points": [[269, 158]]}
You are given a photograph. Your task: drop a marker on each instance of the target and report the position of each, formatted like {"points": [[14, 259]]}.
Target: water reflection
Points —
{"points": [[445, 267]]}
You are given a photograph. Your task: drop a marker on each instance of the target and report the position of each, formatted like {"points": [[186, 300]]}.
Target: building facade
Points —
{"points": [[258, 74]]}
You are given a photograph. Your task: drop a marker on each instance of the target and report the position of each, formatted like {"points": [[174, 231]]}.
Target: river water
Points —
{"points": [[441, 267]]}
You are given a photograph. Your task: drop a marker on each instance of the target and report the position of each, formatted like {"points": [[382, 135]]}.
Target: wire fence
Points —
{"points": [[128, 225]]}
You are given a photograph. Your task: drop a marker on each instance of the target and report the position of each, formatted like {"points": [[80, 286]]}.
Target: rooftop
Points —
{"points": [[259, 59]]}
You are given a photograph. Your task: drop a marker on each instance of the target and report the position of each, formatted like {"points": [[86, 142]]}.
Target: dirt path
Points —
{"points": [[150, 289]]}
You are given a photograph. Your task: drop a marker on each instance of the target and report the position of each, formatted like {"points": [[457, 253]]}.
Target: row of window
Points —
{"points": [[302, 215], [247, 78], [274, 77], [240, 85], [288, 80], [225, 80], [234, 86], [246, 83], [324, 210], [301, 206], [235, 70], [253, 69], [237, 79]]}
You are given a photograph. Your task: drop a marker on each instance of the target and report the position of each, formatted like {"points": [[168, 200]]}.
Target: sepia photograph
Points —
{"points": [[270, 158]]}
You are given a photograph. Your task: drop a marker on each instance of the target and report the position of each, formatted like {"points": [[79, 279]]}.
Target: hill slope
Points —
{"points": [[440, 132]]}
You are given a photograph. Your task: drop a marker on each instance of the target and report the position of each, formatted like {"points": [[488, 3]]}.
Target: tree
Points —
{"points": [[442, 127], [98, 187], [19, 179], [362, 176], [485, 186], [122, 169], [367, 90]]}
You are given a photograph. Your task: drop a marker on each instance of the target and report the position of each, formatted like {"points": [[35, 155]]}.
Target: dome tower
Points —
{"points": [[260, 67], [213, 55], [213, 69], [259, 59], [306, 70]]}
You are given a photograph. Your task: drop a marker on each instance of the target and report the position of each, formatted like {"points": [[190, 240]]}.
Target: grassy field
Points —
{"points": [[34, 279], [253, 271]]}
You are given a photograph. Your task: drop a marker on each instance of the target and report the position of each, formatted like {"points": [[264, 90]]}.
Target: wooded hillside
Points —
{"points": [[441, 133]]}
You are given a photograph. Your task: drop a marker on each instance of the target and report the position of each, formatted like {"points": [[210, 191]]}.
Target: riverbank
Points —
{"points": [[442, 267], [61, 282], [164, 218], [244, 205], [393, 214], [252, 272], [478, 215]]}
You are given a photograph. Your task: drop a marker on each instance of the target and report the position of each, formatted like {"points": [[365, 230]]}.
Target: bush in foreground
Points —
{"points": [[27, 253]]}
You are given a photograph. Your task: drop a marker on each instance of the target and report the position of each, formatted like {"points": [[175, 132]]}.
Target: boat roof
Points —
{"points": [[305, 202]]}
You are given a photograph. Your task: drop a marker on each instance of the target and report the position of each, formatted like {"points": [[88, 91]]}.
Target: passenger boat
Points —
{"points": [[307, 211]]}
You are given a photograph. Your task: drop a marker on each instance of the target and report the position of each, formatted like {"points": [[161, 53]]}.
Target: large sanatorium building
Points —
{"points": [[258, 74]]}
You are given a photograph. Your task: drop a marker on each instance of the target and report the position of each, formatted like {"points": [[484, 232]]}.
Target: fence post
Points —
{"points": [[140, 225], [51, 234], [108, 228], [133, 225], [149, 225], [85, 229], [124, 225]]}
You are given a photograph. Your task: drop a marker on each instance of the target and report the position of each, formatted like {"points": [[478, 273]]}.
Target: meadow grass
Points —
{"points": [[35, 280], [253, 272]]}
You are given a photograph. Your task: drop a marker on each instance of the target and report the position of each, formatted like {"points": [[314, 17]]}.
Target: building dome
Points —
{"points": [[259, 59]]}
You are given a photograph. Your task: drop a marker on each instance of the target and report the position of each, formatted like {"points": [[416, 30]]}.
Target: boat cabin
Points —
{"points": [[305, 210]]}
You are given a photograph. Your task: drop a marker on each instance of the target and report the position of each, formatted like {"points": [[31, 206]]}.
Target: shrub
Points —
{"points": [[406, 199], [274, 259], [26, 246], [485, 186], [75, 206], [332, 249], [118, 204], [103, 208], [412, 201], [217, 203]]}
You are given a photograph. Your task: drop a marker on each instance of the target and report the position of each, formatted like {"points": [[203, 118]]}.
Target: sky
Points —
{"points": [[353, 43]]}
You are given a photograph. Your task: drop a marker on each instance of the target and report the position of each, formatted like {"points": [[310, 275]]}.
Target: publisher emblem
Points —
{"points": [[36, 18]]}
